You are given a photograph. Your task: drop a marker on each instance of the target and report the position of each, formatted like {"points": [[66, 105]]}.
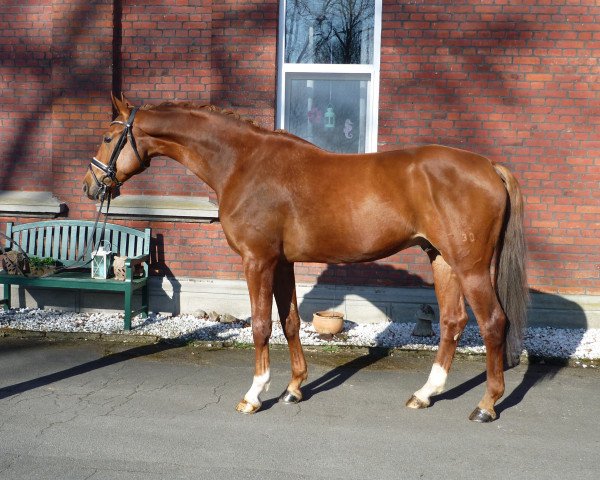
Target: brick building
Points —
{"points": [[515, 81]]}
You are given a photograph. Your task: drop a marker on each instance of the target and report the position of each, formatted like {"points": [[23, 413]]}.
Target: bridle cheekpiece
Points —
{"points": [[109, 170]]}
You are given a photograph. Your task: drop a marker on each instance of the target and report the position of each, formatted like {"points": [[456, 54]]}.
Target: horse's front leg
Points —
{"points": [[287, 305], [259, 276]]}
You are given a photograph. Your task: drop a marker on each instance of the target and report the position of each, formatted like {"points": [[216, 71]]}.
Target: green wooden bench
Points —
{"points": [[64, 241]]}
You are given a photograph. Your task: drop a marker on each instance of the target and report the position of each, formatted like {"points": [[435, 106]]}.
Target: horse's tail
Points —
{"points": [[511, 276]]}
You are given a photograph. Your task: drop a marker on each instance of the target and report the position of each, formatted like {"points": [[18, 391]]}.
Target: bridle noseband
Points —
{"points": [[109, 170]]}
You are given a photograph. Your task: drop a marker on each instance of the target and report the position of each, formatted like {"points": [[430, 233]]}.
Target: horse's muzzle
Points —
{"points": [[94, 192], [90, 192]]}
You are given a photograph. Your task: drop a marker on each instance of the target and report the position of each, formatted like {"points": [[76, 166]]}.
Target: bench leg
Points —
{"points": [[127, 323], [145, 301], [6, 299]]}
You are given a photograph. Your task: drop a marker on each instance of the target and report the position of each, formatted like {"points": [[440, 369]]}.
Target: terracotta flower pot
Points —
{"points": [[328, 323]]}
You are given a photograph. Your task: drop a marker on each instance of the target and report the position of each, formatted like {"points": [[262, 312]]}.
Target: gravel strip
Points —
{"points": [[546, 342]]}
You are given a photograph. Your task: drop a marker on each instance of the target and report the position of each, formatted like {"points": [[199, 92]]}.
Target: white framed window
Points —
{"points": [[328, 82]]}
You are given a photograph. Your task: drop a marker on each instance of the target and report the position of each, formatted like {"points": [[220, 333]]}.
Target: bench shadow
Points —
{"points": [[107, 360], [160, 269]]}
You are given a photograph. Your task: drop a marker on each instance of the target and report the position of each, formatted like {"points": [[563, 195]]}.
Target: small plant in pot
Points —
{"points": [[41, 266]]}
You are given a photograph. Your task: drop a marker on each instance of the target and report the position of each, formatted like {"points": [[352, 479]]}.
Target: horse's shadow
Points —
{"points": [[535, 372], [323, 296]]}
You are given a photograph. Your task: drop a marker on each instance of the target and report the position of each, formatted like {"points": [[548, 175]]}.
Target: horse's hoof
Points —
{"points": [[246, 407], [482, 416], [415, 402], [289, 397]]}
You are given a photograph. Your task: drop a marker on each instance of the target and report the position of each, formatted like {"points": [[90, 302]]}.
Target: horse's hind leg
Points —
{"points": [[492, 324], [453, 318], [287, 305], [259, 276]]}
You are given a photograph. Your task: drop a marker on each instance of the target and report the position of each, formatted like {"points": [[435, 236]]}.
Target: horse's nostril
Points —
{"points": [[85, 189]]}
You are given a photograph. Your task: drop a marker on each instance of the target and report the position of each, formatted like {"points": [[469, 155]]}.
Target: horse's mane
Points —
{"points": [[221, 111], [211, 108]]}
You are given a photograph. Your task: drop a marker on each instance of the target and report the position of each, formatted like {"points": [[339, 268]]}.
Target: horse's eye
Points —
{"points": [[107, 139]]}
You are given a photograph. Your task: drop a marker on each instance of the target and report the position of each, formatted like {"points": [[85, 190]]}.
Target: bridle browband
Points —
{"points": [[109, 170]]}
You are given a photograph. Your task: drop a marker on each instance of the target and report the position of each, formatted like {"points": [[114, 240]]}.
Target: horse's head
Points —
{"points": [[119, 157]]}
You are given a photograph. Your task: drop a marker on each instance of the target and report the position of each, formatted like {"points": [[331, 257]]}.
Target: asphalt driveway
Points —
{"points": [[103, 410]]}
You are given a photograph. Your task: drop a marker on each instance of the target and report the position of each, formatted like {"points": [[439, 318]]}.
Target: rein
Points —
{"points": [[110, 172]]}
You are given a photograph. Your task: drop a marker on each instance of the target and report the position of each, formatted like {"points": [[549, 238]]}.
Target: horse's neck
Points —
{"points": [[200, 143]]}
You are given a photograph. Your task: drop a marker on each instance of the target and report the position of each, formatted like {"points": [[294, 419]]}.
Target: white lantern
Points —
{"points": [[101, 261], [329, 117]]}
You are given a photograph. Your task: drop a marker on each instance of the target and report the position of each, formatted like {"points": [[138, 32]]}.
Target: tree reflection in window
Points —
{"points": [[329, 31]]}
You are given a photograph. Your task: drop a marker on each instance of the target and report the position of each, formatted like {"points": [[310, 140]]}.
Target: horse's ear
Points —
{"points": [[114, 100], [118, 104], [126, 102], [121, 105]]}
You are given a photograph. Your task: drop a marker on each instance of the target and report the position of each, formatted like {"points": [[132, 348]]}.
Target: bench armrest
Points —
{"points": [[132, 262]]}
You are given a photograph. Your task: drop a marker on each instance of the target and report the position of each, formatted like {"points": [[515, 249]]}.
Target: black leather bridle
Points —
{"points": [[109, 170]]}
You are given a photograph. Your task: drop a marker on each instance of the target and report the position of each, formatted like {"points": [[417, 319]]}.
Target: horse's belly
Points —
{"points": [[341, 241]]}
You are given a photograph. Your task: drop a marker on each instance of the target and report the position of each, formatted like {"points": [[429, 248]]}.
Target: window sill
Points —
{"points": [[30, 204], [163, 208]]}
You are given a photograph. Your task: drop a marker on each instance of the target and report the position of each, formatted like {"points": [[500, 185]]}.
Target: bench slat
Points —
{"points": [[22, 238], [9, 233], [38, 240], [112, 238], [123, 244], [73, 243], [64, 244], [131, 246], [47, 252], [82, 235], [139, 249], [56, 243]]}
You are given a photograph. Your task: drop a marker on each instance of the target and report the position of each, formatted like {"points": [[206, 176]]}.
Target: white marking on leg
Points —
{"points": [[435, 383], [259, 384]]}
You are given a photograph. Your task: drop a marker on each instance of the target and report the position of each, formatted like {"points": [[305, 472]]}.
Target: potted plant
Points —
{"points": [[41, 266]]}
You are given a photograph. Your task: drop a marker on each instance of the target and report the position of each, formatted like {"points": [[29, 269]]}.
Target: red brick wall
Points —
{"points": [[26, 95], [518, 83]]}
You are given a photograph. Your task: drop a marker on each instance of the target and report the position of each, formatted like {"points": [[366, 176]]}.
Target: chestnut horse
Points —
{"points": [[283, 200]]}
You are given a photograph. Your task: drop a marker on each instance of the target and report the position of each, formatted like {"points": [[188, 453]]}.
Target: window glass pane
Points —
{"points": [[328, 113], [329, 31]]}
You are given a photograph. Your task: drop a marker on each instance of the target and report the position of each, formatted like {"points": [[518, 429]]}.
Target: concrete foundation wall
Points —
{"points": [[359, 304]]}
